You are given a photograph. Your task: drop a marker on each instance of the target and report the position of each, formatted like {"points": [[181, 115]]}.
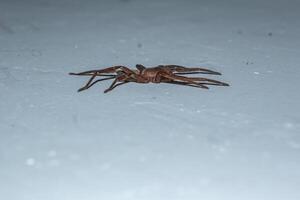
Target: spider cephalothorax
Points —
{"points": [[172, 74]]}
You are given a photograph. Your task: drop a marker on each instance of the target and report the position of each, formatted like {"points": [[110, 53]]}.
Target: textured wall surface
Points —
{"points": [[152, 141]]}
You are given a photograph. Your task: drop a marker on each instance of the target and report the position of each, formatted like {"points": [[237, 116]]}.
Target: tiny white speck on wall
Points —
{"points": [[30, 162], [52, 153]]}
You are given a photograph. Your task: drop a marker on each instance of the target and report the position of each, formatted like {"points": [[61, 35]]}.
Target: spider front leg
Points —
{"points": [[122, 79], [110, 72], [114, 85], [90, 83], [101, 72]]}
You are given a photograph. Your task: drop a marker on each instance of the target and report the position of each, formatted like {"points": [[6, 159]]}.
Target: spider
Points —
{"points": [[172, 74]]}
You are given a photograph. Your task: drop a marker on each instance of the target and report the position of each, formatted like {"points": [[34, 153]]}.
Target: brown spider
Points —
{"points": [[160, 74]]}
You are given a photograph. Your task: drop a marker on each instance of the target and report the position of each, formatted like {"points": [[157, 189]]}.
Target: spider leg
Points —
{"points": [[118, 72], [187, 73], [99, 72], [207, 81], [90, 83], [99, 80], [122, 79], [182, 79], [181, 83], [91, 74], [114, 85], [111, 86], [181, 69]]}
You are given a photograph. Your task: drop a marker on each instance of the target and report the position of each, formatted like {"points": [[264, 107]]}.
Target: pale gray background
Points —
{"points": [[149, 142]]}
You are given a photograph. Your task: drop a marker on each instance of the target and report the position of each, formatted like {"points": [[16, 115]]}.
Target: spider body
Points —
{"points": [[150, 75], [172, 74]]}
